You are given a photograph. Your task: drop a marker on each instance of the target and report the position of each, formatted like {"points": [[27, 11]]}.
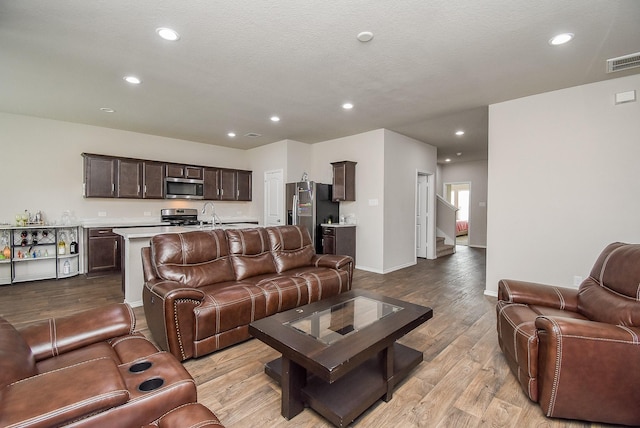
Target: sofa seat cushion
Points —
{"points": [[226, 306], [250, 252], [194, 258], [284, 292], [323, 282]]}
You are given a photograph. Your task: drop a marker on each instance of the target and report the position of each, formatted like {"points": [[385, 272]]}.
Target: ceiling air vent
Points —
{"points": [[252, 135], [623, 62]]}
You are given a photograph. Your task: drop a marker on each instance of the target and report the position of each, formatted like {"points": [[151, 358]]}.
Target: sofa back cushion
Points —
{"points": [[250, 252], [611, 294], [16, 359], [291, 246], [193, 258]]}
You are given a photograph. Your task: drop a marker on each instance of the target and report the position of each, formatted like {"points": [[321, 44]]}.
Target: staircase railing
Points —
{"points": [[445, 220]]}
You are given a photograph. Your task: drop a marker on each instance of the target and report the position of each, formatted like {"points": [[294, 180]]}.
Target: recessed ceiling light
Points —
{"points": [[447, 160], [107, 110], [459, 133], [168, 34], [231, 134], [275, 119], [459, 154], [133, 80], [365, 36], [561, 39], [347, 106]]}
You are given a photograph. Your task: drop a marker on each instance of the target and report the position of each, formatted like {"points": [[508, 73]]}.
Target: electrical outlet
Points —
{"points": [[102, 213], [577, 280]]}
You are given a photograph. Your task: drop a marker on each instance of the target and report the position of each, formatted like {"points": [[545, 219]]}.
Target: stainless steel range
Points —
{"points": [[180, 216]]}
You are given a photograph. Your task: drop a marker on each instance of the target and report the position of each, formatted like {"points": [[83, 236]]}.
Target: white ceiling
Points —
{"points": [[432, 67]]}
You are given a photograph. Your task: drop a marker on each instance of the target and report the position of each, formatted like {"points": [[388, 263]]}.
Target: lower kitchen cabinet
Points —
{"points": [[339, 239], [103, 251]]}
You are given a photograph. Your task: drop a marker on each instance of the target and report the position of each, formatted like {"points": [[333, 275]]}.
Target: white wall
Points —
{"points": [[563, 181], [474, 172], [42, 168], [403, 157], [367, 149]]}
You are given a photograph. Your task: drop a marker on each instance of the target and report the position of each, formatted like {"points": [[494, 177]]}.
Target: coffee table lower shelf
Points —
{"points": [[347, 398]]}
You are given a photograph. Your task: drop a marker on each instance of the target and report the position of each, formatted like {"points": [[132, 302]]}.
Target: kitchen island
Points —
{"points": [[135, 238]]}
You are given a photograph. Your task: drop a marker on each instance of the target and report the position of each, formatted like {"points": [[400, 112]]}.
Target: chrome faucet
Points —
{"points": [[214, 217]]}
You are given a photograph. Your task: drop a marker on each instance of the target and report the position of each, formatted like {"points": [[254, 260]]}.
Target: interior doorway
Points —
{"points": [[459, 195], [425, 242]]}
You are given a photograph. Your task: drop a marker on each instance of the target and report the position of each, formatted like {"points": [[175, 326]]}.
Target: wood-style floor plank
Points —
{"points": [[463, 381]]}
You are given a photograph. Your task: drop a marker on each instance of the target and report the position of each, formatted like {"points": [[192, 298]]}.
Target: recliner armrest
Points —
{"points": [[55, 336], [532, 293], [331, 261], [64, 395]]}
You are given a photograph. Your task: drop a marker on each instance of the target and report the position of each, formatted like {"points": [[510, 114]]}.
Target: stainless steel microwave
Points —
{"points": [[183, 188]]}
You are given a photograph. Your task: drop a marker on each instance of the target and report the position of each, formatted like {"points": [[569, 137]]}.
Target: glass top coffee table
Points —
{"points": [[339, 355]]}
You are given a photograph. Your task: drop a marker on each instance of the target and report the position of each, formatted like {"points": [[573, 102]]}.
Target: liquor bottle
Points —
{"points": [[62, 248]]}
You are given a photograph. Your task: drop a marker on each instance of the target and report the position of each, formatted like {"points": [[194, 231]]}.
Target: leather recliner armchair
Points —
{"points": [[90, 369], [577, 351]]}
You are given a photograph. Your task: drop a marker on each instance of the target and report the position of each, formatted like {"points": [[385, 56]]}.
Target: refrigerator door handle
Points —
{"points": [[294, 215]]}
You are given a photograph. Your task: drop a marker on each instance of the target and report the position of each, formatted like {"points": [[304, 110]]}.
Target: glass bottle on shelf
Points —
{"points": [[73, 246], [62, 247], [66, 268]]}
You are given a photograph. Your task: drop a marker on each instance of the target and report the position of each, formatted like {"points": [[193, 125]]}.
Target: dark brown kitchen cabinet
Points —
{"points": [[211, 184], [344, 181], [129, 178], [228, 186], [153, 180], [339, 240], [103, 251], [243, 185], [99, 176], [184, 171]]}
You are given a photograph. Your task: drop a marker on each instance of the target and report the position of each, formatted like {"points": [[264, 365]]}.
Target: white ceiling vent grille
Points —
{"points": [[623, 62], [252, 135]]}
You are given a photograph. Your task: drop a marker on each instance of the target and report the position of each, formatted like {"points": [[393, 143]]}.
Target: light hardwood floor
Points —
{"points": [[462, 382]]}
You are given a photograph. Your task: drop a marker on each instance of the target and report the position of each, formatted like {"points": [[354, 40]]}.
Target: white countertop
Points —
{"points": [[150, 221], [148, 232], [337, 225]]}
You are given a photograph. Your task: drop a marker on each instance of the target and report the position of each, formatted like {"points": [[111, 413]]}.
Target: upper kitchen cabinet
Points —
{"points": [[153, 180], [129, 178], [99, 176], [243, 183], [211, 183], [228, 185], [184, 171], [344, 181]]}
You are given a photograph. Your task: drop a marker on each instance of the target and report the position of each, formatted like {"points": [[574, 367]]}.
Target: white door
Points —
{"points": [[273, 198], [421, 216]]}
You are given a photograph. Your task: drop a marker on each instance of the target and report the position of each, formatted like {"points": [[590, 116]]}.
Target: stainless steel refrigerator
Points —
{"points": [[309, 204]]}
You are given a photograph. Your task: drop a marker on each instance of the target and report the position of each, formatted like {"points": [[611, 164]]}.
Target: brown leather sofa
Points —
{"points": [[577, 351], [203, 288], [86, 370]]}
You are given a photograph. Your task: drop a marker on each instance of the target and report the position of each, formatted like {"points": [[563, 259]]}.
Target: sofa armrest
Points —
{"points": [[532, 293], [64, 395], [168, 308], [338, 262], [588, 370], [55, 336]]}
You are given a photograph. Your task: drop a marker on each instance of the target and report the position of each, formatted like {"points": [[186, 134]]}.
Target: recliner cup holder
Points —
{"points": [[140, 367], [151, 384]]}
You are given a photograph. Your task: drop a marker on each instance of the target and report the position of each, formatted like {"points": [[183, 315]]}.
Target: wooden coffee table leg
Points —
{"points": [[387, 371], [293, 379]]}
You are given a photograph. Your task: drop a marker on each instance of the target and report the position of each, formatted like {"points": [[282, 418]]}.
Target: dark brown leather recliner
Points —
{"points": [[88, 370], [577, 352]]}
